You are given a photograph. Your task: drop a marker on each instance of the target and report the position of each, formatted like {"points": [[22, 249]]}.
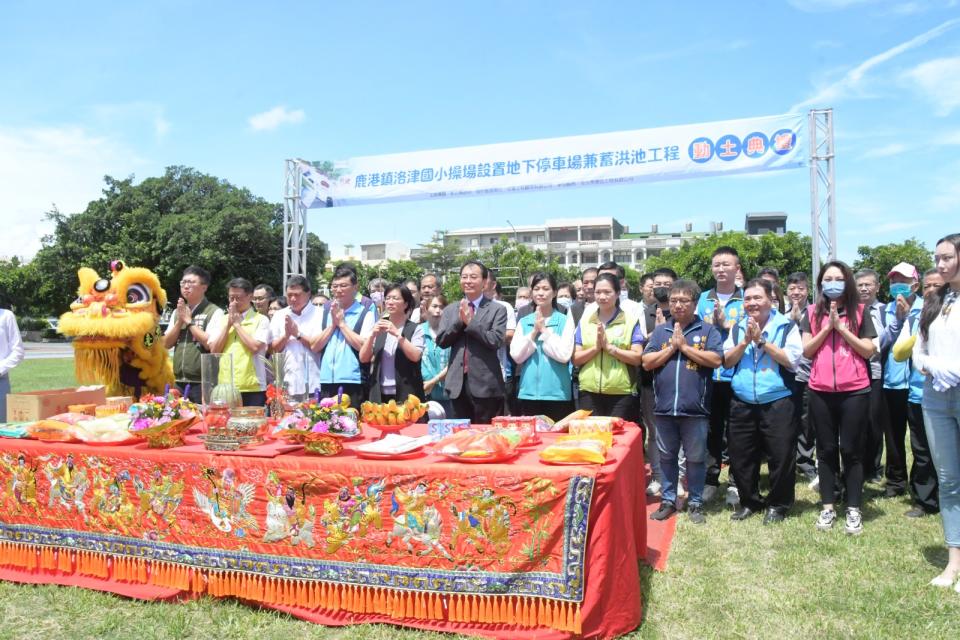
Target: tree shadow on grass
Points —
{"points": [[935, 556]]}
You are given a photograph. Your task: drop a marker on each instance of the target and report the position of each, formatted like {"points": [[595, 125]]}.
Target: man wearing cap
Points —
{"points": [[904, 307]]}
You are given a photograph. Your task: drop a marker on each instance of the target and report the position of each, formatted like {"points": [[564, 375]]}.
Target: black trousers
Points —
{"points": [[476, 410], [841, 421], [806, 436], [604, 404], [876, 434], [895, 432], [554, 409], [717, 436], [923, 473], [763, 430]]}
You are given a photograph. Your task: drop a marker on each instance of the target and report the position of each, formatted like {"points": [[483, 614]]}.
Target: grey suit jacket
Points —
{"points": [[480, 341]]}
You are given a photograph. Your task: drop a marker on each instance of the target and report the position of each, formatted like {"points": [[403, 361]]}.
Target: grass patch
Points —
{"points": [[725, 580], [42, 373]]}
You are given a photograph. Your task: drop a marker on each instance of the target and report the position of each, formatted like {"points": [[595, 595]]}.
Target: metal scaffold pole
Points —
{"points": [[822, 188], [294, 224]]}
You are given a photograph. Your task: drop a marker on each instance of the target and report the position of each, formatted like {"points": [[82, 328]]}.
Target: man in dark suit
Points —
{"points": [[474, 330]]}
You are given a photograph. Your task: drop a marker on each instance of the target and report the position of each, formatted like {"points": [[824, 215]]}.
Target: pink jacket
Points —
{"points": [[836, 366]]}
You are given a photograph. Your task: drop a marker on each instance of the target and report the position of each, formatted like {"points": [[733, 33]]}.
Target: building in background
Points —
{"points": [[758, 224], [375, 253]]}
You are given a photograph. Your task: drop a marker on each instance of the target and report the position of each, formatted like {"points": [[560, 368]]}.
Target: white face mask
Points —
{"points": [[564, 302], [522, 303]]}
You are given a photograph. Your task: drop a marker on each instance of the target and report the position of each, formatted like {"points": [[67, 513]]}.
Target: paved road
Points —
{"points": [[40, 350]]}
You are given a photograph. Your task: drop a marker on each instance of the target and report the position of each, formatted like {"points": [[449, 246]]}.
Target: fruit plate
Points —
{"points": [[376, 455], [489, 459]]}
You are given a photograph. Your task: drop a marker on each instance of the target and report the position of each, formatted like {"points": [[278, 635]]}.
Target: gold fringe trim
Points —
{"points": [[307, 594], [96, 365]]}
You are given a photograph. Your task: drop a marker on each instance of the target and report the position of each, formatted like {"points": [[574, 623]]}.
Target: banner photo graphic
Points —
{"points": [[667, 153]]}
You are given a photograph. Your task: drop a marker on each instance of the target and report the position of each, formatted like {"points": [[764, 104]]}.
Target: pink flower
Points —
{"points": [[321, 427], [328, 402]]}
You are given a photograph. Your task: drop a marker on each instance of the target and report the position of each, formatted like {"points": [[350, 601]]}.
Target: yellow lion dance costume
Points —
{"points": [[115, 323]]}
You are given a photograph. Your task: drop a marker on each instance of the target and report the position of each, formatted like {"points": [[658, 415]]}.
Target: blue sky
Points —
{"points": [[233, 89]]}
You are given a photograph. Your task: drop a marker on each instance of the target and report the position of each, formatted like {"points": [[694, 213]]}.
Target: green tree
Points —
{"points": [[882, 258], [167, 223], [18, 287], [393, 271], [440, 256], [514, 262], [787, 253]]}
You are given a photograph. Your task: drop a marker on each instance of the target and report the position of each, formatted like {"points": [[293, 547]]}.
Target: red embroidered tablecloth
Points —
{"points": [[520, 548]]}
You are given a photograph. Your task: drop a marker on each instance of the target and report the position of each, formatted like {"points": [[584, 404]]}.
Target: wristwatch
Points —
{"points": [[762, 343]]}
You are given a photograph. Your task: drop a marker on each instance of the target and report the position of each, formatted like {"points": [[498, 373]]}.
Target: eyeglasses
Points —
{"points": [[342, 285], [681, 301], [190, 283], [235, 298]]}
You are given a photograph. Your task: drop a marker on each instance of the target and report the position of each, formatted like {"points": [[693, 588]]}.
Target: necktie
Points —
{"points": [[465, 356]]}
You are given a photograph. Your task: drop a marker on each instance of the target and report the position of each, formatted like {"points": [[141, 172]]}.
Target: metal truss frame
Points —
{"points": [[294, 224], [822, 189]]}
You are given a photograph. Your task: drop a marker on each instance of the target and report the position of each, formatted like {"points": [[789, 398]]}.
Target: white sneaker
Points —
{"points": [[733, 496], [709, 493], [826, 519], [854, 523], [653, 488]]}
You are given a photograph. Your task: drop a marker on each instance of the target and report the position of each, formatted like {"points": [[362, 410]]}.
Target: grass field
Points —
{"points": [[724, 580]]}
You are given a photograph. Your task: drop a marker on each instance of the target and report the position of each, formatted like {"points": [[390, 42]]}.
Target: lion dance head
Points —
{"points": [[115, 323]]}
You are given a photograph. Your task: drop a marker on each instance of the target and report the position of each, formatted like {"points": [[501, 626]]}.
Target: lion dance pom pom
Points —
{"points": [[115, 323]]}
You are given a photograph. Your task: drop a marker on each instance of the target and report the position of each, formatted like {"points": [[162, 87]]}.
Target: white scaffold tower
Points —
{"points": [[823, 202]]}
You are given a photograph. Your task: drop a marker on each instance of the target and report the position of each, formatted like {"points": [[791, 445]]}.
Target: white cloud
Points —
{"points": [[43, 167], [939, 81], [890, 227], [945, 196], [270, 120], [885, 151], [852, 82], [136, 114], [161, 126], [948, 138]]}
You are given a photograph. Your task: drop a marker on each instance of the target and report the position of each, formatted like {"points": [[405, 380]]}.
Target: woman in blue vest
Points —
{"points": [[433, 364], [542, 347]]}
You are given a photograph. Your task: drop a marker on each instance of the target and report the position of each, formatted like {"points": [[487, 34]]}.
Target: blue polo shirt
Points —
{"points": [[682, 387]]}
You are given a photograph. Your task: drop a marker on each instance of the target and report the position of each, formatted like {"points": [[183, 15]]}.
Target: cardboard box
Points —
{"points": [[36, 405]]}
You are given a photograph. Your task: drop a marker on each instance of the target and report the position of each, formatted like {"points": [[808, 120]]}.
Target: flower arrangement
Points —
{"points": [[162, 420], [327, 416]]}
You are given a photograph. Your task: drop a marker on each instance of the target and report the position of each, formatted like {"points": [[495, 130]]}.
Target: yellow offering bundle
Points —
{"points": [[575, 452], [582, 448]]}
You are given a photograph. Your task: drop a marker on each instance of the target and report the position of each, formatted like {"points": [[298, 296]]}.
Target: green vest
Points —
{"points": [[244, 369], [187, 351], [603, 373]]}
